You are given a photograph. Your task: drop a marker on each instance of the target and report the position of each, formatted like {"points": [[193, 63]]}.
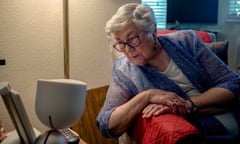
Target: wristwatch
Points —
{"points": [[194, 110]]}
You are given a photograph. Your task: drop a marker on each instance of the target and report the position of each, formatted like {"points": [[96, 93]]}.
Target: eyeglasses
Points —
{"points": [[131, 42]]}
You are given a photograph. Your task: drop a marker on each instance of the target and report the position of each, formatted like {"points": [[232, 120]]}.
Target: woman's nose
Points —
{"points": [[129, 48]]}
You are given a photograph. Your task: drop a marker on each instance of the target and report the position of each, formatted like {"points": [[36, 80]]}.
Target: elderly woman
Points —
{"points": [[165, 89]]}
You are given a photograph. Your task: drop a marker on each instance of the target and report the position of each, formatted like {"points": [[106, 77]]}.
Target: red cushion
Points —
{"points": [[162, 129], [204, 36]]}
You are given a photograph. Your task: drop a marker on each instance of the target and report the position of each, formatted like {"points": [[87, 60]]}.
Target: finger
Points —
{"points": [[163, 110], [147, 108], [155, 110], [146, 115], [172, 101], [158, 109], [147, 111], [174, 105], [177, 106], [181, 99], [182, 108]]}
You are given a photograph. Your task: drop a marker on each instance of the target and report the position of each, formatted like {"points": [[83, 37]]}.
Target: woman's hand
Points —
{"points": [[166, 102], [154, 110]]}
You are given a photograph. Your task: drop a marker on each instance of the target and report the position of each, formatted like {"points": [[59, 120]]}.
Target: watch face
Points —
{"points": [[195, 109]]}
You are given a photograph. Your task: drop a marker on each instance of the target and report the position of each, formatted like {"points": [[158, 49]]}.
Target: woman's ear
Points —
{"points": [[154, 33], [155, 27]]}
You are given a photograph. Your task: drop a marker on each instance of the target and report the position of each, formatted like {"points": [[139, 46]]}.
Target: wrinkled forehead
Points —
{"points": [[125, 32]]}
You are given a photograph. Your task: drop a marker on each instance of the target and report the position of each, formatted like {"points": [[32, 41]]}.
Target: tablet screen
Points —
{"points": [[17, 113]]}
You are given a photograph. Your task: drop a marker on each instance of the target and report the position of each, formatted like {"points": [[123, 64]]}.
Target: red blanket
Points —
{"points": [[163, 129]]}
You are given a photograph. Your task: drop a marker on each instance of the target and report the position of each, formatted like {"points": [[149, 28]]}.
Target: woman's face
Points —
{"points": [[138, 46]]}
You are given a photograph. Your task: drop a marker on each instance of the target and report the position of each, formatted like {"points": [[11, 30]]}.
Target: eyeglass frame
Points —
{"points": [[126, 42]]}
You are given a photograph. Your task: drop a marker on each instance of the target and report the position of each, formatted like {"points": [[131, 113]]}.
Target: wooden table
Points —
{"points": [[12, 138]]}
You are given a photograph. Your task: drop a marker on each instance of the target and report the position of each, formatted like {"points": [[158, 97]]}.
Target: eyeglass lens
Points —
{"points": [[132, 42]]}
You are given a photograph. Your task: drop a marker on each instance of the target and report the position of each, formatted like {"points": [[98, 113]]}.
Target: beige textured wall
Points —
{"points": [[31, 42]]}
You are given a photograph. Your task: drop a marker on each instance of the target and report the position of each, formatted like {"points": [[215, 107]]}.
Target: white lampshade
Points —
{"points": [[60, 102]]}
